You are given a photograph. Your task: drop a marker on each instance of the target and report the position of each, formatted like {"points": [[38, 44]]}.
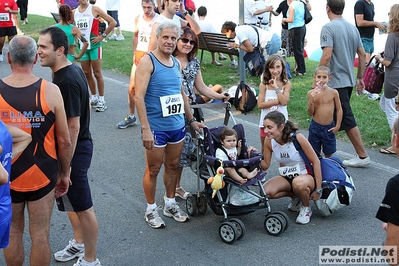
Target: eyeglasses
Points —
{"points": [[185, 40], [181, 1]]}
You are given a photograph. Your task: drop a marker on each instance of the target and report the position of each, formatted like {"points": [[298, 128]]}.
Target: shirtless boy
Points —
{"points": [[323, 101]]}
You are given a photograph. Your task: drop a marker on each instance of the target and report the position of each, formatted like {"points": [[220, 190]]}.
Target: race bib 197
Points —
{"points": [[172, 105], [290, 171]]}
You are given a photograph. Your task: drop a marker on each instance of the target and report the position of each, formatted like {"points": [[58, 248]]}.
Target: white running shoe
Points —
{"points": [[71, 251], [304, 215], [82, 262], [153, 219], [357, 162], [175, 212]]}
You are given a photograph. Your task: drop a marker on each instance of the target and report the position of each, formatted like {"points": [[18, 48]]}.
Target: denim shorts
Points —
{"points": [[274, 45], [319, 137]]}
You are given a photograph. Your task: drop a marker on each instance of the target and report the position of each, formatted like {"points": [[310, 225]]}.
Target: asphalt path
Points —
{"points": [[125, 238]]}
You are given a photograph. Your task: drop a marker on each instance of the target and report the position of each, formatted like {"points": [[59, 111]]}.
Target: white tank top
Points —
{"points": [[84, 21], [144, 28], [271, 95], [175, 19], [287, 155]]}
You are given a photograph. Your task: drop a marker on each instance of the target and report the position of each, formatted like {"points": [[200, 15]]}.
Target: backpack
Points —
{"points": [[247, 101], [336, 183]]}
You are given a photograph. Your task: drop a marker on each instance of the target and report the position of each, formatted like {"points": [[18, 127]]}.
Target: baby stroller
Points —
{"points": [[205, 165]]}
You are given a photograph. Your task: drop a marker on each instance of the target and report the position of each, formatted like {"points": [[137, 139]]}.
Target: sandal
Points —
{"points": [[387, 151], [216, 63], [179, 191]]}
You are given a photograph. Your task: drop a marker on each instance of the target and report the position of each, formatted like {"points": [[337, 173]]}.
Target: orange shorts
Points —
{"points": [[137, 56]]}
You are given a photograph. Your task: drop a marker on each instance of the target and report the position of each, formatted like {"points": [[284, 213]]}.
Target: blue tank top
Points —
{"points": [[5, 159], [164, 81]]}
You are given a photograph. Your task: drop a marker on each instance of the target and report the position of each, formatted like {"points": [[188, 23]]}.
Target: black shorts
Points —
{"points": [[78, 197], [289, 180], [114, 15], [8, 31], [18, 197], [348, 119]]}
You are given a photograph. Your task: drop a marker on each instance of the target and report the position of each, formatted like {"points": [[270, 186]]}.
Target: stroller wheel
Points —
{"points": [[191, 205], [228, 232], [202, 206], [274, 224], [240, 226], [284, 216]]}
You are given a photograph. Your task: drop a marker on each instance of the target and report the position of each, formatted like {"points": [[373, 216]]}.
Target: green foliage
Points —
{"points": [[372, 122]]}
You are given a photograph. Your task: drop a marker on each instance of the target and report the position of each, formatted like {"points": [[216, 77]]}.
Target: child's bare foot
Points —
{"points": [[243, 180], [385, 226], [252, 174]]}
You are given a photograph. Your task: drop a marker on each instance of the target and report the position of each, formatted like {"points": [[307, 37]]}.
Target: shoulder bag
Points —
{"points": [[373, 77], [255, 61]]}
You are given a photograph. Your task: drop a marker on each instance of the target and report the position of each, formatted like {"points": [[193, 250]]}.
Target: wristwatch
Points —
{"points": [[320, 191], [191, 120], [104, 34], [278, 90], [185, 13]]}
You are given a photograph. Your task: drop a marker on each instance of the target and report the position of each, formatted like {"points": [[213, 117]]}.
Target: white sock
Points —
{"points": [[101, 99], [170, 201], [131, 116], [94, 97], [151, 206]]}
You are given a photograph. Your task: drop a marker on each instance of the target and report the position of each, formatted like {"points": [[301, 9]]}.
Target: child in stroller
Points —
{"points": [[231, 228], [230, 150]]}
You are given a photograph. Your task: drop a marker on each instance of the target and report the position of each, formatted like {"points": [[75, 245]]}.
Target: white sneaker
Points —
{"points": [[153, 219], [234, 63], [357, 162], [101, 107], [1, 57], [175, 212], [119, 38], [71, 251], [295, 205], [304, 215], [112, 37], [82, 262]]}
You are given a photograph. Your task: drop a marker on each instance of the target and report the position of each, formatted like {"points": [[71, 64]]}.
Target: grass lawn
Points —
{"points": [[371, 120]]}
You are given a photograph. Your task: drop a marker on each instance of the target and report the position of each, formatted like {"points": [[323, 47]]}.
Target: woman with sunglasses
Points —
{"points": [[185, 52]]}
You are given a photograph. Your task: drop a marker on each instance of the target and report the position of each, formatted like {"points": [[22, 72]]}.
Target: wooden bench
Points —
{"points": [[56, 17], [215, 43]]}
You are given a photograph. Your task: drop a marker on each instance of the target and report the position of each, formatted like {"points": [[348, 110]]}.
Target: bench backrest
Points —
{"points": [[215, 42]]}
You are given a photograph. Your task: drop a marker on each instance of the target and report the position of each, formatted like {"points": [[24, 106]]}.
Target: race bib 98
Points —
{"points": [[290, 171], [172, 105]]}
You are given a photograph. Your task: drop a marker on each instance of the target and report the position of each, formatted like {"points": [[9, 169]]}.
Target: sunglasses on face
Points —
{"points": [[185, 40]]}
